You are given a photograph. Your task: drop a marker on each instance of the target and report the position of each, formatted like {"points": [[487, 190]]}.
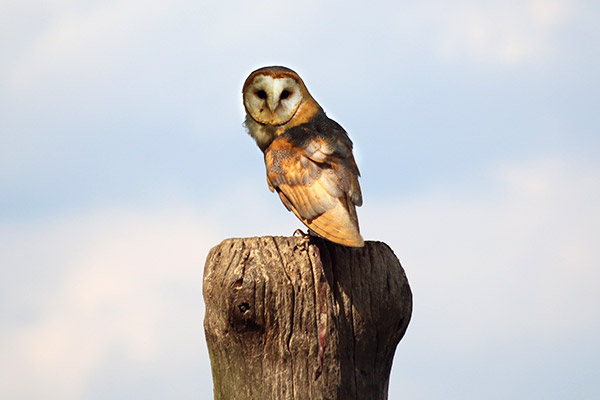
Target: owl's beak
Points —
{"points": [[272, 103]]}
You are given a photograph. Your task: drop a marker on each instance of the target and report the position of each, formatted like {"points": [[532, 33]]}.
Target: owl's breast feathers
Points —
{"points": [[312, 168]]}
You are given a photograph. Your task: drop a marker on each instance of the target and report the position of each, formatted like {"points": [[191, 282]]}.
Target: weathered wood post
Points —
{"points": [[290, 321]]}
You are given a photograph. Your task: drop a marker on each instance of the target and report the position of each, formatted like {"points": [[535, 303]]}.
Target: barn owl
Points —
{"points": [[308, 156]]}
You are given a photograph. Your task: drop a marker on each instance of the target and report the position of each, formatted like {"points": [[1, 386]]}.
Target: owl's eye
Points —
{"points": [[261, 94], [285, 94]]}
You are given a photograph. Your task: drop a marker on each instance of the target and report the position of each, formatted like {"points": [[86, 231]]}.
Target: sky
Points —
{"points": [[123, 160]]}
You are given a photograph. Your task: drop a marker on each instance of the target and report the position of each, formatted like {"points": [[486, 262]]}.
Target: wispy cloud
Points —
{"points": [[498, 265], [84, 37], [503, 33], [123, 281]]}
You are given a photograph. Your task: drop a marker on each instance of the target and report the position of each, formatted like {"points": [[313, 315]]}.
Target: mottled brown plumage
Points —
{"points": [[308, 156]]}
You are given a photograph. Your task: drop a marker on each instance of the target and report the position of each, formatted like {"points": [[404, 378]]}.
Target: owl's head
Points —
{"points": [[272, 95]]}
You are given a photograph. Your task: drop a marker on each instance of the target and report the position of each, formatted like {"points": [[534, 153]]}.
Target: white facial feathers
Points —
{"points": [[272, 100]]}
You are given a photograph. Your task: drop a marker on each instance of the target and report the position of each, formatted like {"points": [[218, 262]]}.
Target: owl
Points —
{"points": [[308, 156]]}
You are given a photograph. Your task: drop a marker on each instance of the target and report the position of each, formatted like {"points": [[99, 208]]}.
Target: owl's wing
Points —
{"points": [[313, 170]]}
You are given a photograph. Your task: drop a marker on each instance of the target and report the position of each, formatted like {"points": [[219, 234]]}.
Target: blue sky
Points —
{"points": [[124, 160]]}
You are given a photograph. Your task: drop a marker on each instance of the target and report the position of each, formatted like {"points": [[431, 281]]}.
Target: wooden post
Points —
{"points": [[291, 321]]}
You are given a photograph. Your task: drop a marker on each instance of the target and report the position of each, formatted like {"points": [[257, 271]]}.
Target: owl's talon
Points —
{"points": [[300, 233], [305, 239]]}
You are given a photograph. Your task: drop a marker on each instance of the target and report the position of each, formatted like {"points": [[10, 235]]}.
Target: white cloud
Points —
{"points": [[500, 32], [87, 36], [125, 281], [514, 264]]}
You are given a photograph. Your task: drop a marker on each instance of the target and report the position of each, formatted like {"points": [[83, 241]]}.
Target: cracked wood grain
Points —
{"points": [[287, 321]]}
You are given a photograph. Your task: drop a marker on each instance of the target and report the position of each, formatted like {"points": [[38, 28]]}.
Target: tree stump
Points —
{"points": [[290, 320]]}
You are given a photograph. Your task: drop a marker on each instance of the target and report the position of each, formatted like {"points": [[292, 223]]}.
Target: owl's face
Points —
{"points": [[272, 95]]}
